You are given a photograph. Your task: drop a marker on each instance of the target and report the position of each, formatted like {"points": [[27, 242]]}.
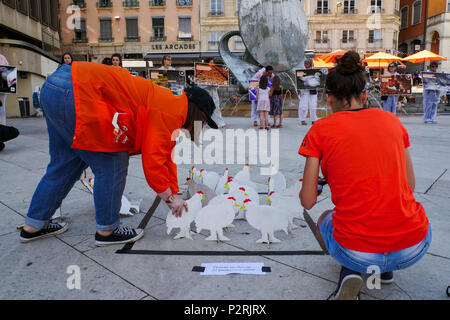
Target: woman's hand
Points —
{"points": [[177, 206]]}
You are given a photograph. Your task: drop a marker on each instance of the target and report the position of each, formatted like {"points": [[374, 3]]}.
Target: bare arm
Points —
{"points": [[410, 170], [308, 194]]}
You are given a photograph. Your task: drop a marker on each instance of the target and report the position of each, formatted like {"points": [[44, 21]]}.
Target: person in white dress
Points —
{"points": [[263, 106]]}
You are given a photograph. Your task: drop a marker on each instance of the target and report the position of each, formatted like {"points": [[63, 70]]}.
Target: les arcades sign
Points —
{"points": [[182, 46]]}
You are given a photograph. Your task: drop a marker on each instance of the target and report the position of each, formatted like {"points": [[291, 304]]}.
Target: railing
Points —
{"points": [[106, 39], [132, 39], [130, 4], [80, 40], [215, 13], [184, 3], [376, 9], [349, 11], [185, 38], [157, 3], [104, 4], [322, 11], [158, 39], [80, 4]]}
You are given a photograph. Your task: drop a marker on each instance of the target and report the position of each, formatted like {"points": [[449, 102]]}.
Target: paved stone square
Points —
{"points": [[38, 270]]}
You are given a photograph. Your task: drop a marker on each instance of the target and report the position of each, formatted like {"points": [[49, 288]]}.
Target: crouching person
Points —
{"points": [[98, 116], [376, 224]]}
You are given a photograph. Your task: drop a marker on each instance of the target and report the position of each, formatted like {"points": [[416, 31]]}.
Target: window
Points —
{"points": [[404, 17], [105, 29], [187, 3], [350, 7], [322, 36], [376, 6], [396, 11], [22, 6], [214, 38], [132, 29], [322, 7], [348, 36], [80, 33], [35, 10], [374, 36], [45, 12], [11, 3], [417, 12], [158, 29], [184, 28], [216, 8], [448, 5], [54, 14]]}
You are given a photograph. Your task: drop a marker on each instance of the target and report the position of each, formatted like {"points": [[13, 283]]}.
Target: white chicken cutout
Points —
{"points": [[242, 193], [287, 203], [216, 216], [209, 178], [184, 222], [267, 220]]}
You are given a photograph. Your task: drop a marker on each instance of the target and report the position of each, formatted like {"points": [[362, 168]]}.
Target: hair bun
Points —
{"points": [[349, 63]]}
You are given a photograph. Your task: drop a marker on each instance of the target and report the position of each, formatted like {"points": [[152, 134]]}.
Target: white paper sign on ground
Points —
{"points": [[220, 268]]}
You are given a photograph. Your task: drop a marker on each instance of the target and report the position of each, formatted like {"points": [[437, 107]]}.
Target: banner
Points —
{"points": [[175, 80], [310, 79], [211, 74], [400, 84], [8, 79], [436, 81]]}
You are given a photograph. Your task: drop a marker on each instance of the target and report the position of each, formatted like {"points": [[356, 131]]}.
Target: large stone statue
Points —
{"points": [[274, 32]]}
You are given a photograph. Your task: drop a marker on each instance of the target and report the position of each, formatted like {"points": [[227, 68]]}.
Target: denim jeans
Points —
{"points": [[67, 164], [363, 261], [391, 104], [431, 100]]}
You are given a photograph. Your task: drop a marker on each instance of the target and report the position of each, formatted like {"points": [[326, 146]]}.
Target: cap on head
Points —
{"points": [[201, 98]]}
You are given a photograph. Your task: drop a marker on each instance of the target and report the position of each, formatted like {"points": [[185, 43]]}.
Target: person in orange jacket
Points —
{"points": [[98, 116]]}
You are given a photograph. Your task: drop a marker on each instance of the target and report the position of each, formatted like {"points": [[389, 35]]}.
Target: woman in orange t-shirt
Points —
{"points": [[97, 116], [376, 225]]}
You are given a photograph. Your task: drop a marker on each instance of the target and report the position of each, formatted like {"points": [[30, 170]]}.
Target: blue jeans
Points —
{"points": [[67, 164], [391, 104], [431, 100], [363, 261]]}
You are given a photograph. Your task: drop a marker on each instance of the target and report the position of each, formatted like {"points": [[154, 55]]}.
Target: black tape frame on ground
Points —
{"points": [[128, 248]]}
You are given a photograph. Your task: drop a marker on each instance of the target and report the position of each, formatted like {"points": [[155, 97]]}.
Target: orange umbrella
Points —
{"points": [[423, 56], [319, 64], [331, 57], [382, 65], [382, 57]]}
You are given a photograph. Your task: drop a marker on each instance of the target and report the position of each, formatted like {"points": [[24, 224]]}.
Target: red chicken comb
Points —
{"points": [[242, 189], [247, 200], [200, 191], [231, 198]]}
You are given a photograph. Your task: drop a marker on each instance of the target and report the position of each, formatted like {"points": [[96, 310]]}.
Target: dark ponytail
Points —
{"points": [[347, 79]]}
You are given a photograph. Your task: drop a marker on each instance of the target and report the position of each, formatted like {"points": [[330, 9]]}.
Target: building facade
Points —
{"points": [[138, 30], [425, 24], [29, 39], [363, 25]]}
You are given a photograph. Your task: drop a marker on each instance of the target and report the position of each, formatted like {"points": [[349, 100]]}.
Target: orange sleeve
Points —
{"points": [[311, 146]]}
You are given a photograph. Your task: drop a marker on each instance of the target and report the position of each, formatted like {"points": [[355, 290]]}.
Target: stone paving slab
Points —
{"points": [[38, 270]]}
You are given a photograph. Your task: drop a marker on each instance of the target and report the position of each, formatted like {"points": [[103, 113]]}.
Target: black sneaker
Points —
{"points": [[2, 146], [350, 283], [51, 230], [387, 277], [120, 235]]}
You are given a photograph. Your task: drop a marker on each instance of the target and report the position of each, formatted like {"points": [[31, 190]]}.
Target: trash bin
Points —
{"points": [[24, 106]]}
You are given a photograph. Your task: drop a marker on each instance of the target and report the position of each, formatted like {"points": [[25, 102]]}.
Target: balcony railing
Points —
{"points": [[106, 39], [321, 40], [132, 39], [131, 4], [158, 39], [322, 11], [375, 43], [80, 4], [184, 3], [376, 9], [80, 40], [157, 3], [349, 40], [215, 13], [349, 11], [104, 4]]}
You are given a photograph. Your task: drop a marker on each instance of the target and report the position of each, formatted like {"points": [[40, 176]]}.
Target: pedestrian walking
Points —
{"points": [[308, 101], [276, 102]]}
